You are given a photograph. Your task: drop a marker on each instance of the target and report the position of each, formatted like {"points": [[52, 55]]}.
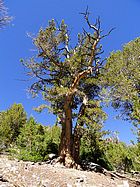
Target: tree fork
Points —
{"points": [[59, 78]]}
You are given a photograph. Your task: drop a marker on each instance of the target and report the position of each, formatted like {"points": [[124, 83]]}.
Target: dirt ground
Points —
{"points": [[14, 173]]}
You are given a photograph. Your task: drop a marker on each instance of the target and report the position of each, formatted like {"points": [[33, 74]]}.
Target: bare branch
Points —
{"points": [[107, 33], [88, 22]]}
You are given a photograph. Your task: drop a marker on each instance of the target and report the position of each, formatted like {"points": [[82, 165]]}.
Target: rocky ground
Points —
{"points": [[14, 173]]}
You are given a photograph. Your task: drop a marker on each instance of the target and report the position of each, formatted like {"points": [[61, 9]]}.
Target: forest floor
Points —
{"points": [[14, 173]]}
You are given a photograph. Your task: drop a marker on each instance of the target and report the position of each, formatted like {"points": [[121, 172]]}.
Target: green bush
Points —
{"points": [[35, 141], [92, 148], [121, 156], [10, 123]]}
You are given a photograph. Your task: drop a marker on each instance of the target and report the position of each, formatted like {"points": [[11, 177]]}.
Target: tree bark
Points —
{"points": [[65, 151], [70, 143], [78, 131], [76, 142]]}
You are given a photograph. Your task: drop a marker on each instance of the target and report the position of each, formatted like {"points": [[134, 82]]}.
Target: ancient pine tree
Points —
{"points": [[67, 78]]}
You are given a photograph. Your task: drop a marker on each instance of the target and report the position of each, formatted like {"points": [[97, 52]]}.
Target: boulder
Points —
{"points": [[51, 156], [91, 166]]}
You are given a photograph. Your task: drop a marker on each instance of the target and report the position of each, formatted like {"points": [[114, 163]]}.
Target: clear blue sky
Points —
{"points": [[30, 15]]}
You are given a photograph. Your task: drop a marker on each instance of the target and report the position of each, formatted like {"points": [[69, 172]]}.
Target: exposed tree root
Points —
{"points": [[66, 161], [119, 176]]}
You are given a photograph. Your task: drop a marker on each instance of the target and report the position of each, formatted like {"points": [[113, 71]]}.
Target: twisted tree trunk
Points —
{"points": [[66, 135]]}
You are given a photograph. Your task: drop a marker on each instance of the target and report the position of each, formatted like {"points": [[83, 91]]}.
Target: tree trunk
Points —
{"points": [[65, 150], [78, 131], [76, 143], [70, 143]]}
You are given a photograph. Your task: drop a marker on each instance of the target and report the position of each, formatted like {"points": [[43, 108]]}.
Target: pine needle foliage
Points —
{"points": [[122, 79], [67, 78]]}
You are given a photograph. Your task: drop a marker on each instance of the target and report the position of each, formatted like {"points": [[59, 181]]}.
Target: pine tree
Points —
{"points": [[35, 141], [67, 77], [30, 141], [122, 80], [10, 123]]}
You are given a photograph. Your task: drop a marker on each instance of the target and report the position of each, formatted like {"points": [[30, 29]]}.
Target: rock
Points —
{"points": [[2, 179], [135, 174], [44, 183], [48, 162], [69, 185], [4, 182], [14, 173], [52, 156], [91, 166], [125, 184], [79, 179]]}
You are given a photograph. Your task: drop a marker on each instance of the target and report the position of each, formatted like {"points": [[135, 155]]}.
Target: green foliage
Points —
{"points": [[117, 153], [26, 139], [93, 146], [109, 153], [10, 123], [57, 64], [138, 134], [123, 157], [121, 86], [67, 78], [35, 142], [122, 79], [134, 151], [94, 116], [31, 141], [52, 134]]}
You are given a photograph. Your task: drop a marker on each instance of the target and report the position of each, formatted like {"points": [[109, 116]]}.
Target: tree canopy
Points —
{"points": [[4, 17], [122, 79], [67, 77], [71, 78], [10, 123]]}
